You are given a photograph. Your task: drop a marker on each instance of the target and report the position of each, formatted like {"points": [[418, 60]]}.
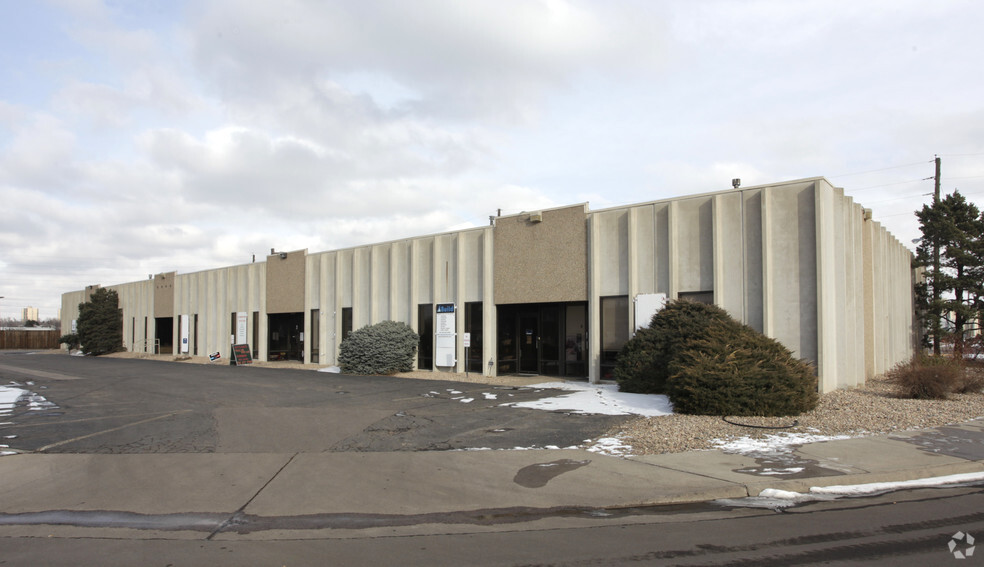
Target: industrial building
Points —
{"points": [[557, 292]]}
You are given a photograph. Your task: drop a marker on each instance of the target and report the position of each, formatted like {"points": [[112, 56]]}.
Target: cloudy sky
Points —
{"points": [[149, 136]]}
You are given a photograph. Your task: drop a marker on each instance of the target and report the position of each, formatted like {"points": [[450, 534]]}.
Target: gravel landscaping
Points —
{"points": [[867, 410]]}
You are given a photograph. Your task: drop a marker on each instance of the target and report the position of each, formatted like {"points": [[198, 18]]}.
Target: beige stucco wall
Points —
{"points": [[536, 262]]}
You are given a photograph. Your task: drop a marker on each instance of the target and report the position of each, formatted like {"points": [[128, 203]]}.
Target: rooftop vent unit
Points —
{"points": [[536, 217]]}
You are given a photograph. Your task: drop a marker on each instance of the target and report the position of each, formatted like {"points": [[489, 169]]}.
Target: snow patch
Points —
{"points": [[602, 399], [771, 444], [775, 499], [8, 398], [612, 446]]}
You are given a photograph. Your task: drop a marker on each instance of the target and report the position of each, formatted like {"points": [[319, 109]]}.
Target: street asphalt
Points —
{"points": [[143, 449]]}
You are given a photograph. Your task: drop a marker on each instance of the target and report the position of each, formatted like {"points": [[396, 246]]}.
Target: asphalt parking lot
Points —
{"points": [[111, 405]]}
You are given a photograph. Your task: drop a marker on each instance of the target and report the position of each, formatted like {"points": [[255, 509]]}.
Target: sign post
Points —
{"points": [[466, 342]]}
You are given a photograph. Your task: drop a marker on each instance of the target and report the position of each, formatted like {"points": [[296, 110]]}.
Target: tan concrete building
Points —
{"points": [[557, 292]]}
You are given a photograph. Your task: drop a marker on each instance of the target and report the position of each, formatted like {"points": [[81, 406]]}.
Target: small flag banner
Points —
{"points": [[214, 356]]}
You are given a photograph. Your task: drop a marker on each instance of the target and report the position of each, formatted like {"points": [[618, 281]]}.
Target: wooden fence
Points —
{"points": [[34, 340]]}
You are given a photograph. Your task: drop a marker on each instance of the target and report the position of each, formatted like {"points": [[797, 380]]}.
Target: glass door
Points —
{"points": [[529, 342]]}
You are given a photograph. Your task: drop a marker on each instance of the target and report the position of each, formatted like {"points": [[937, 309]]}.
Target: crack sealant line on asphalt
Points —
{"points": [[142, 421], [38, 373], [232, 519]]}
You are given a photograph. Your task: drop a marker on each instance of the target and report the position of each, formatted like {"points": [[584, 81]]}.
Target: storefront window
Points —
{"points": [[614, 331]]}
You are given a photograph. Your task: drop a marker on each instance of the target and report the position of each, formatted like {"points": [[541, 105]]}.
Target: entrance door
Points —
{"points": [[542, 338], [529, 343]]}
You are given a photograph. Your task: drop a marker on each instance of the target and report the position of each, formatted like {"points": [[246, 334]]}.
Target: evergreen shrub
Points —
{"points": [[100, 323], [385, 348], [643, 364], [735, 370]]}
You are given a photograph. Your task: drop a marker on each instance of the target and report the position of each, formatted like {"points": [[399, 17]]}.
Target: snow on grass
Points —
{"points": [[598, 399]]}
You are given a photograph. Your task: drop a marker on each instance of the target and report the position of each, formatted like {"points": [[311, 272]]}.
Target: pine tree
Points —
{"points": [[957, 227], [100, 323]]}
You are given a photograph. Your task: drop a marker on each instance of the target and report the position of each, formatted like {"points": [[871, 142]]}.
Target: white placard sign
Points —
{"points": [[184, 334], [445, 335], [466, 340], [241, 323], [647, 305]]}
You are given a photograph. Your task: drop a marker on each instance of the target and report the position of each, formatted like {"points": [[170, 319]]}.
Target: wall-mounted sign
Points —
{"points": [[445, 335], [184, 334], [242, 320]]}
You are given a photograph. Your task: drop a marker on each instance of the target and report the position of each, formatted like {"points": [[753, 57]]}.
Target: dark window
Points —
{"points": [[698, 296], [614, 331], [346, 322], [473, 326], [256, 332], [194, 339], [425, 328], [314, 339]]}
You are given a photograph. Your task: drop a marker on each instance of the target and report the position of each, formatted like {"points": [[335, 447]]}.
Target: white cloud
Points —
{"points": [[138, 138]]}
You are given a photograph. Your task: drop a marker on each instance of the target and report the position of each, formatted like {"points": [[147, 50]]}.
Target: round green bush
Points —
{"points": [[385, 348], [735, 370], [642, 365]]}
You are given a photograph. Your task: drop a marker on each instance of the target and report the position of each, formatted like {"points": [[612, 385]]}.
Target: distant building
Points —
{"points": [[558, 292], [30, 314]]}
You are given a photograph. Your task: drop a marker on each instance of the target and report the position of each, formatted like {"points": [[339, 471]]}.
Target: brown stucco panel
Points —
{"points": [[542, 261], [164, 294], [285, 276]]}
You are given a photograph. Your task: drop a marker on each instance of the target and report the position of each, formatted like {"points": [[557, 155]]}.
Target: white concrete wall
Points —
{"points": [[798, 261], [789, 260]]}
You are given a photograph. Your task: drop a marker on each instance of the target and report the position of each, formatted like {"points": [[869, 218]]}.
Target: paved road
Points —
{"points": [[138, 462], [902, 529], [142, 406]]}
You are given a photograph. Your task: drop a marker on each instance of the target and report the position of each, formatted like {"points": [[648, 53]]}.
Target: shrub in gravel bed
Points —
{"points": [[934, 378], [642, 366], [385, 348], [735, 370]]}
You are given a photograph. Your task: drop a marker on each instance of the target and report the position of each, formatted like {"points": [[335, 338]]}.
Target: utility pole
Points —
{"points": [[936, 265]]}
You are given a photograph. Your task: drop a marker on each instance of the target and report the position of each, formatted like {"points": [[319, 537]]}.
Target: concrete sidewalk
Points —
{"points": [[270, 495]]}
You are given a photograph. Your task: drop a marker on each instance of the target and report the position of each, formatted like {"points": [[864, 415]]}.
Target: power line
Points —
{"points": [[853, 190], [882, 169]]}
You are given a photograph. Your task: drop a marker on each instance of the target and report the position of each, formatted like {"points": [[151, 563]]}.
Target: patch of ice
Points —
{"points": [[598, 399], [452, 392], [466, 400], [786, 470], [489, 396], [332, 369]]}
